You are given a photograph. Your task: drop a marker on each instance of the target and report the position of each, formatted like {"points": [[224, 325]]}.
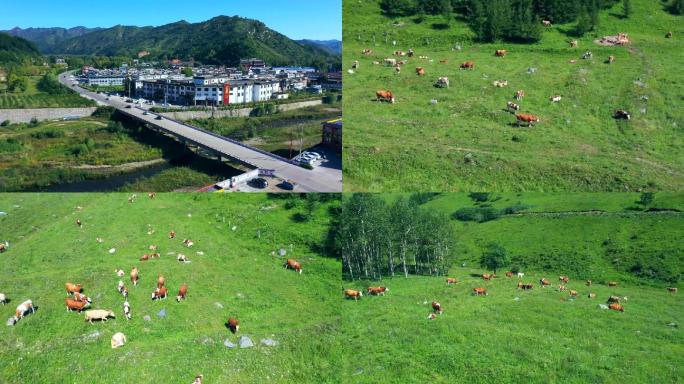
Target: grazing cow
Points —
{"points": [[524, 287], [621, 114], [555, 99], [120, 286], [479, 292], [410, 53], [377, 291], [612, 283], [22, 308], [118, 340], [134, 276], [376, 63], [390, 62], [399, 53], [468, 65], [500, 83], [561, 288], [520, 275], [512, 106], [672, 289], [78, 222], [383, 95], [544, 282], [172, 234], [98, 314], [181, 257], [527, 118], [145, 257], [546, 23], [573, 43], [487, 276], [352, 293], [500, 52], [119, 272], [152, 247], [432, 316], [443, 61], [132, 198], [367, 51], [4, 246], [188, 243], [613, 299], [397, 69], [509, 274], [573, 293], [152, 195], [82, 298], [72, 288], [437, 307], [355, 64], [451, 280], [160, 293], [588, 283], [616, 307], [155, 255], [160, 281], [420, 71], [519, 95], [442, 82], [668, 35], [198, 379], [3, 299], [233, 324], [75, 305], [182, 292], [591, 295], [124, 292], [611, 59], [564, 279], [292, 263], [587, 55], [127, 310]]}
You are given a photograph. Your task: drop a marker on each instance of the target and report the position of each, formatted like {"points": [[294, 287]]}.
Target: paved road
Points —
{"points": [[308, 181]]}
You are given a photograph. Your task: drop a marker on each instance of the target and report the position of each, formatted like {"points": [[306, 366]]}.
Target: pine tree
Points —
{"points": [[627, 8]]}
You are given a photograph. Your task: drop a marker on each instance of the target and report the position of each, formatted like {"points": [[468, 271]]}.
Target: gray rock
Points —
{"points": [[11, 321], [282, 252], [240, 295], [269, 342], [673, 325], [229, 344], [162, 313], [245, 342], [3, 213], [516, 299], [147, 318], [92, 336], [603, 306], [218, 305]]}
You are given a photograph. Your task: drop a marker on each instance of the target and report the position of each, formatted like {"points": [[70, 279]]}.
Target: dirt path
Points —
{"points": [[121, 167]]}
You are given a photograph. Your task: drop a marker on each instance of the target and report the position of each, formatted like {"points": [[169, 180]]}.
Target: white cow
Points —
{"points": [[118, 340], [3, 298]]}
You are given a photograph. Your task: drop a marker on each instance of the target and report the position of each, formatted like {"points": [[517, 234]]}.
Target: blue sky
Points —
{"points": [[297, 19]]}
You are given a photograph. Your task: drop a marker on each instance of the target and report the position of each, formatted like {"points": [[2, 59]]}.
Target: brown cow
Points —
{"points": [[524, 287], [588, 283], [160, 293], [573, 293], [420, 71], [377, 290], [612, 284], [487, 276], [564, 279], [437, 307], [451, 280], [500, 52], [668, 35], [616, 307], [292, 263], [509, 274], [613, 299], [573, 43], [352, 293], [233, 324], [74, 305], [479, 292], [160, 281], [591, 295], [182, 292], [383, 95], [134, 276], [527, 118], [544, 282], [672, 289], [468, 65], [561, 288], [72, 288], [145, 257], [152, 195], [172, 234], [78, 222], [81, 297], [611, 59]]}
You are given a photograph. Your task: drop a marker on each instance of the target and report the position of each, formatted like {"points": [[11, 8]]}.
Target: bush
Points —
{"points": [[33, 122], [5, 123], [479, 197], [104, 112], [80, 150], [514, 209], [479, 214], [48, 134], [115, 127], [10, 145]]}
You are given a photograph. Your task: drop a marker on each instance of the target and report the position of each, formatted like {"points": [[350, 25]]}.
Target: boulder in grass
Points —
{"points": [[245, 342], [228, 344], [147, 318], [603, 306], [162, 313], [269, 342]]}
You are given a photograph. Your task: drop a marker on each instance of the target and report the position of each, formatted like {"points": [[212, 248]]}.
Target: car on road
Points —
{"points": [[288, 185], [129, 100], [259, 182], [128, 106], [146, 113], [158, 117]]}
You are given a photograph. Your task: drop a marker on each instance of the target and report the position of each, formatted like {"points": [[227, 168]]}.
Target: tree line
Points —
{"points": [[509, 20], [375, 238]]}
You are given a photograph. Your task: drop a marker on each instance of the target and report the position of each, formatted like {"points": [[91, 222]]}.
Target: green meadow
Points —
{"points": [[465, 139], [542, 335], [233, 272]]}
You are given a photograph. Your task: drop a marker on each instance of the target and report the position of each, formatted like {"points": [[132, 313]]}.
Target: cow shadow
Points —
{"points": [[7, 301], [475, 275], [440, 26], [617, 15]]}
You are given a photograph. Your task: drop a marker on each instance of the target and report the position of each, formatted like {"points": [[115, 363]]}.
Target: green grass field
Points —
{"points": [[414, 145], [543, 336], [33, 98], [237, 270]]}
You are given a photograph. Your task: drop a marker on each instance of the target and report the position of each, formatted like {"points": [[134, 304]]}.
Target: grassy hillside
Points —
{"points": [[467, 141], [542, 335], [237, 270], [15, 50]]}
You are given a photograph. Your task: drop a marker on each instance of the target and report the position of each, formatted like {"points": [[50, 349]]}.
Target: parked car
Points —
{"points": [[158, 117], [288, 185], [146, 113], [259, 182], [128, 106]]}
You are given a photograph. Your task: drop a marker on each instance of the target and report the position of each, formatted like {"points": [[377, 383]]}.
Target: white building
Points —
{"points": [[105, 81], [204, 90]]}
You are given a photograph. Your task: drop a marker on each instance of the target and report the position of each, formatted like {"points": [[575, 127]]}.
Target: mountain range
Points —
{"points": [[220, 40]]}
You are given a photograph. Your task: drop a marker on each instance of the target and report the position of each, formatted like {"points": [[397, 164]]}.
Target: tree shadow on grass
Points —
{"points": [[440, 26]]}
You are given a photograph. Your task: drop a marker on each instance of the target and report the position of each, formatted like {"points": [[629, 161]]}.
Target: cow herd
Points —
{"points": [[614, 302], [386, 95]]}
